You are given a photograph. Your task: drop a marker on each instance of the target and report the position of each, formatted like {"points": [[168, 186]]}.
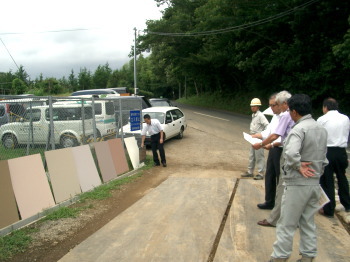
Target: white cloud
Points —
{"points": [[109, 37]]}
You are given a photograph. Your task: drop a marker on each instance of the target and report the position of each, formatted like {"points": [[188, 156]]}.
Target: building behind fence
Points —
{"points": [[30, 125]]}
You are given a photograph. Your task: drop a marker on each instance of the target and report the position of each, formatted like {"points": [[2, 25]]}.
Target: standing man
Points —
{"points": [[285, 124], [304, 161], [337, 126], [155, 130], [273, 160], [258, 124]]}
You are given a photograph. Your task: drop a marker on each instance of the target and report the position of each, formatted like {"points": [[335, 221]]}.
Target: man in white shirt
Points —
{"points": [[337, 126], [273, 161], [155, 130]]}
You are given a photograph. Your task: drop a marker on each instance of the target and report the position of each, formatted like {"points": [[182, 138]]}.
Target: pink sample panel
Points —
{"points": [[8, 208], [105, 161], [85, 165], [30, 185], [63, 174], [118, 155]]}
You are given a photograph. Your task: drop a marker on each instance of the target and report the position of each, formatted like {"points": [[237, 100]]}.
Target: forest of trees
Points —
{"points": [[231, 47]]}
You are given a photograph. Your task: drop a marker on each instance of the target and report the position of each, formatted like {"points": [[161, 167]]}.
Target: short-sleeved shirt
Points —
{"points": [[285, 124], [337, 126], [152, 129], [270, 129]]}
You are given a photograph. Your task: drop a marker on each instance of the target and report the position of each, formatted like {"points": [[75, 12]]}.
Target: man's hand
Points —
{"points": [[268, 146], [142, 145], [161, 141], [305, 170], [256, 146]]}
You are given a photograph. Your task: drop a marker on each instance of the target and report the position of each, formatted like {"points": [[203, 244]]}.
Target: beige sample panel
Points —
{"points": [[118, 155], [105, 161], [133, 150], [8, 208], [30, 185], [63, 174], [86, 169]]}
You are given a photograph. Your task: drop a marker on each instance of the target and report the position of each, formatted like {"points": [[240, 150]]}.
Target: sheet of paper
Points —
{"points": [[250, 139], [323, 198]]}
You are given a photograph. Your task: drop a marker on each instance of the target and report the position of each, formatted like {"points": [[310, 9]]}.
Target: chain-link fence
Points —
{"points": [[30, 125]]}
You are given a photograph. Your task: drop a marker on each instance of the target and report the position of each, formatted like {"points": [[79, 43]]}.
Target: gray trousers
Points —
{"points": [[299, 205], [256, 157]]}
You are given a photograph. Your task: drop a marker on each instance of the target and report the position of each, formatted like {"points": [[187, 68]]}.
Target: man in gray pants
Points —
{"points": [[304, 156]]}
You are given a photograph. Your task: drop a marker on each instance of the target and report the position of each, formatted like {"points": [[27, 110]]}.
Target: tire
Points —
{"points": [[9, 141], [181, 133], [68, 140]]}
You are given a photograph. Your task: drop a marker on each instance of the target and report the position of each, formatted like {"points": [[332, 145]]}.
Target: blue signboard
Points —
{"points": [[135, 120]]}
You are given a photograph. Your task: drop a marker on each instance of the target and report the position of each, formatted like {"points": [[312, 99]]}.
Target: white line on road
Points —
{"points": [[212, 116]]}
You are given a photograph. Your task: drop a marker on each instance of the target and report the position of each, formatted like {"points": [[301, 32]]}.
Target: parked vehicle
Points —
{"points": [[96, 92], [160, 102], [120, 90], [72, 124], [172, 119], [104, 115], [12, 110]]}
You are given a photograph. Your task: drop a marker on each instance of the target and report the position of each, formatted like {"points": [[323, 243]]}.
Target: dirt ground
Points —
{"points": [[228, 152]]}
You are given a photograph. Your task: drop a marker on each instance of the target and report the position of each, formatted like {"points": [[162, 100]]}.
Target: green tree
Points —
{"points": [[18, 87], [101, 76], [85, 79]]}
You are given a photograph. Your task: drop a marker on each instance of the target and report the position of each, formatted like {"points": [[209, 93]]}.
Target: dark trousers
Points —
{"points": [[272, 174], [157, 145], [338, 162]]}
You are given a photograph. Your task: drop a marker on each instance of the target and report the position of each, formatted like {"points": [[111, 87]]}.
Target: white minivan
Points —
{"points": [[104, 115], [72, 125]]}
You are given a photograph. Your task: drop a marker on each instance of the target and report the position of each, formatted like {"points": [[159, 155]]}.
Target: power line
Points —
{"points": [[9, 53], [50, 31], [239, 27]]}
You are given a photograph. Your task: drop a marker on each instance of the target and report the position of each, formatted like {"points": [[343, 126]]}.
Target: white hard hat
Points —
{"points": [[255, 102]]}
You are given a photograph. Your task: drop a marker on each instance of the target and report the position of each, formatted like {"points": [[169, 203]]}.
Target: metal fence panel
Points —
{"points": [[30, 125]]}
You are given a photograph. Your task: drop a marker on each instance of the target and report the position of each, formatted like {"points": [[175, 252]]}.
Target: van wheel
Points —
{"points": [[68, 140], [9, 141], [181, 133]]}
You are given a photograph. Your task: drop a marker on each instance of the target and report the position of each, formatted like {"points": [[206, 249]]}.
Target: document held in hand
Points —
{"points": [[250, 139], [323, 198]]}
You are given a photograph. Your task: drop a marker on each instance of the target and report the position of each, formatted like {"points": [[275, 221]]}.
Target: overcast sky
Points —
{"points": [[109, 38]]}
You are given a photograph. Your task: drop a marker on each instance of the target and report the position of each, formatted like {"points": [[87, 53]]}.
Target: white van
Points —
{"points": [[104, 115], [72, 125]]}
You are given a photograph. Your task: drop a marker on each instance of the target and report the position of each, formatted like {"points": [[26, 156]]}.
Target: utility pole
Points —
{"points": [[135, 84]]}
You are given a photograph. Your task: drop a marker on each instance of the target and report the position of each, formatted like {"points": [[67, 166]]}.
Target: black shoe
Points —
{"points": [[265, 206], [164, 164]]}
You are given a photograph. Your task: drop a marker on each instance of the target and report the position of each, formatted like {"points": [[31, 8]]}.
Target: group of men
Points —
{"points": [[303, 154]]}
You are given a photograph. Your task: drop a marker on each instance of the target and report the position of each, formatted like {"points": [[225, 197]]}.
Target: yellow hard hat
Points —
{"points": [[255, 102]]}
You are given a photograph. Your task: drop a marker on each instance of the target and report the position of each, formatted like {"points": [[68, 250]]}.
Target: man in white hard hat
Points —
{"points": [[257, 125]]}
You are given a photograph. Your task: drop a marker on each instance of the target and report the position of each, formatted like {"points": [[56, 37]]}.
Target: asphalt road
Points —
{"points": [[203, 211]]}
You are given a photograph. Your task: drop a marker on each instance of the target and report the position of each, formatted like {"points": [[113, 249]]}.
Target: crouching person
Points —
{"points": [[305, 158]]}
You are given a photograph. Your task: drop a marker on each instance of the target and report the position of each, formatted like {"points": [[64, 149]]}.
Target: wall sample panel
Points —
{"points": [[105, 161], [133, 150], [85, 165], [8, 207], [30, 185], [118, 155], [63, 174]]}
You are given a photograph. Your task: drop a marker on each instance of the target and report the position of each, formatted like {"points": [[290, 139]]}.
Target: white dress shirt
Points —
{"points": [[337, 126], [152, 129], [271, 128]]}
